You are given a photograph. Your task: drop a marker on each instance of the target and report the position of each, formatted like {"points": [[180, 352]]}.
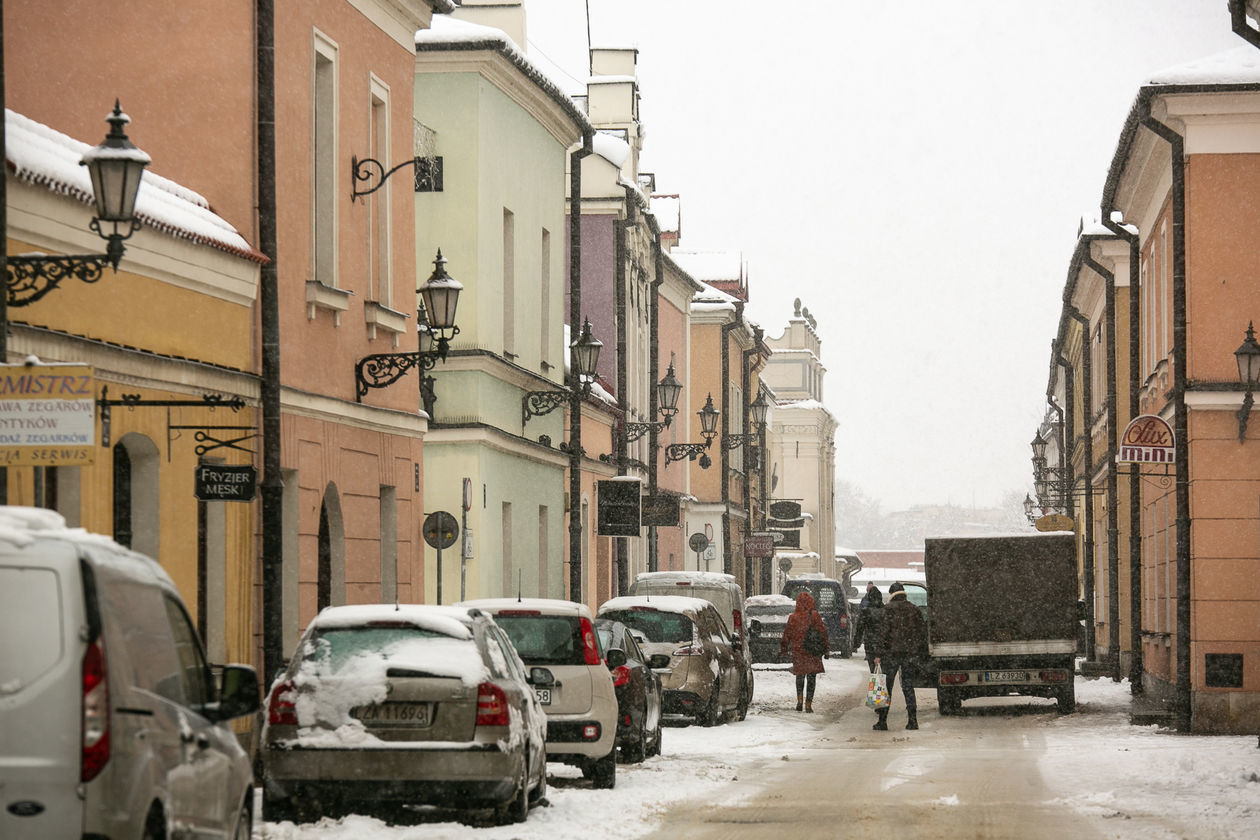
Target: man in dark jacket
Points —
{"points": [[904, 635], [869, 624]]}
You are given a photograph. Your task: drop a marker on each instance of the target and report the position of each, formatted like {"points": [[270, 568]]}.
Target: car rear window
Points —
{"points": [[31, 621], [334, 647], [826, 598], [659, 627], [545, 639]]}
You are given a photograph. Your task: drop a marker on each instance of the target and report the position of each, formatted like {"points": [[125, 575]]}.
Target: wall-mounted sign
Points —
{"points": [[1147, 440], [618, 513], [225, 482], [1055, 522], [759, 545], [47, 415], [661, 511], [785, 510]]}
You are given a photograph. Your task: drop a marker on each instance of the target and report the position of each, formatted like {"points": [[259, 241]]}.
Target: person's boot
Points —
{"points": [[912, 722], [809, 705], [882, 723], [800, 698]]}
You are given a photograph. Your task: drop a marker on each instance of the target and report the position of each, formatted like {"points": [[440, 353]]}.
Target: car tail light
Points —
{"points": [[589, 648], [625, 720], [281, 708], [492, 705], [590, 732], [620, 675], [95, 753], [955, 678], [844, 621], [689, 650], [738, 618]]}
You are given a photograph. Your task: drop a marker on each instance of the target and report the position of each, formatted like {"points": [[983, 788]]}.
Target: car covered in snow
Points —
{"points": [[638, 690], [581, 701], [767, 615], [384, 706], [703, 680]]}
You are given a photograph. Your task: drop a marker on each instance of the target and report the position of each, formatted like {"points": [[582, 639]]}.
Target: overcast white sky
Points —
{"points": [[914, 172]]}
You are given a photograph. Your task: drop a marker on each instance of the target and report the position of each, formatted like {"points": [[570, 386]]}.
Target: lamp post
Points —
{"points": [[1248, 357], [1029, 507], [583, 359], [667, 391], [436, 328], [115, 167], [708, 430]]}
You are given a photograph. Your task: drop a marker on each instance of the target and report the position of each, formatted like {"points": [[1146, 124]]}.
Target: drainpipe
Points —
{"points": [[269, 325], [1180, 418], [1065, 467], [1113, 515], [727, 329], [654, 366], [746, 387], [1087, 409], [575, 395], [623, 373], [1136, 664]]}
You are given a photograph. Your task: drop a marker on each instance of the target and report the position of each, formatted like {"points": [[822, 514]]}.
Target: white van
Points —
{"points": [[721, 590], [111, 724]]}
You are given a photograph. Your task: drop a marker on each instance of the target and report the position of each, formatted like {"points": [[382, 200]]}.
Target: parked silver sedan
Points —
{"points": [[412, 705]]}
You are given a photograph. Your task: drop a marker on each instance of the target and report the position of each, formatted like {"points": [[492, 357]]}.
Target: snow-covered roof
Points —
{"points": [[694, 577], [769, 601], [1240, 65], [549, 606], [680, 604], [43, 156], [610, 148], [710, 266], [451, 34], [449, 621], [667, 209]]}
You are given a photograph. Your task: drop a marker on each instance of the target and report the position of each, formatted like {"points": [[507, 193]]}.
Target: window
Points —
{"points": [[324, 157], [507, 548], [544, 549], [544, 326], [509, 283], [380, 281], [389, 544], [192, 667]]}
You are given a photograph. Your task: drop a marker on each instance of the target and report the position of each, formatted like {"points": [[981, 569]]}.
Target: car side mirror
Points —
{"points": [[616, 657], [658, 660], [754, 627], [541, 676], [239, 694]]}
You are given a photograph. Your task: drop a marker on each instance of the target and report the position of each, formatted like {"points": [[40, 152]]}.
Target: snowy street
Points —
{"points": [[1008, 767]]}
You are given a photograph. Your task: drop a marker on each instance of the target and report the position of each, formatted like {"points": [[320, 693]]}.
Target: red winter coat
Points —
{"points": [[794, 636]]}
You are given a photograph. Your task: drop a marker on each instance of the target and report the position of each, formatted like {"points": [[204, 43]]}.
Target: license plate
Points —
{"points": [[1005, 676], [543, 695], [772, 634], [394, 714]]}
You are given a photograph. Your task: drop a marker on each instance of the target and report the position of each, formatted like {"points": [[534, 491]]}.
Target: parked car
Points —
{"points": [[832, 604], [638, 690], [702, 681], [385, 705], [112, 723], [725, 594], [581, 701], [767, 616]]}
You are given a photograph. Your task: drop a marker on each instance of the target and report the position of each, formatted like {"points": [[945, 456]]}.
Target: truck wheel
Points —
{"points": [[948, 702], [1066, 700]]}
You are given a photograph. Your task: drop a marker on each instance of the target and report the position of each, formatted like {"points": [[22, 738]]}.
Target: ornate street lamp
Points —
{"points": [[583, 361], [1248, 357], [708, 430], [667, 392], [436, 328], [115, 167]]}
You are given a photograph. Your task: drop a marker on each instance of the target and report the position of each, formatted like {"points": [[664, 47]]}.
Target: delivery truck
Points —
{"points": [[1002, 617]]}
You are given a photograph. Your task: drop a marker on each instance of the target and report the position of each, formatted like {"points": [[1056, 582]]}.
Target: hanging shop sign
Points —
{"points": [[661, 511], [619, 511], [759, 545], [225, 482], [47, 415], [1054, 522], [1147, 440]]}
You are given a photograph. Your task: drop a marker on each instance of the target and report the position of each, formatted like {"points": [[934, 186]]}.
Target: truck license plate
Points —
{"points": [[543, 695], [1005, 676]]}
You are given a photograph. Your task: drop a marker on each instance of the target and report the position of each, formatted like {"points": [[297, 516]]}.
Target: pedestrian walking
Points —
{"points": [[903, 635], [869, 624], [806, 663]]}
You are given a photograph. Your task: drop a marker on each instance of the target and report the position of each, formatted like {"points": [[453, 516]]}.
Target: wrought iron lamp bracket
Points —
{"points": [[31, 276], [538, 403], [369, 169], [634, 431], [738, 440], [679, 451], [380, 370]]}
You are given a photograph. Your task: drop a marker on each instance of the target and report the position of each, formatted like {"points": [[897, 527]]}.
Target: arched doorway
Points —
{"points": [[330, 585], [136, 494]]}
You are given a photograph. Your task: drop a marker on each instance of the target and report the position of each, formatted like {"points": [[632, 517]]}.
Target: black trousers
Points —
{"points": [[906, 668], [805, 682]]}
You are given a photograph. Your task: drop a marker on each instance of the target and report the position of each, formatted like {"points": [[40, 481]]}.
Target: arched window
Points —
{"points": [[331, 582], [136, 494]]}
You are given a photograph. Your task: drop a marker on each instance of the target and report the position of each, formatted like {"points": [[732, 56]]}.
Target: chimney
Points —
{"points": [[507, 15]]}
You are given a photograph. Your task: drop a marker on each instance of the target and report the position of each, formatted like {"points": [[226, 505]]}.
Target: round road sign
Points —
{"points": [[698, 542], [440, 529]]}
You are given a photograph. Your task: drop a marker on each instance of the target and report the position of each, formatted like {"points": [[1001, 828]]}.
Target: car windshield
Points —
{"points": [[545, 639], [758, 610], [332, 648], [659, 627], [825, 597]]}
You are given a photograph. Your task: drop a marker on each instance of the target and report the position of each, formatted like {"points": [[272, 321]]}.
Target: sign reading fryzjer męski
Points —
{"points": [[1147, 440], [226, 483], [47, 415]]}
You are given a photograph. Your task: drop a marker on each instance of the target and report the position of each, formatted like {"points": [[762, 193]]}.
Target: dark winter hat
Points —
{"points": [[896, 587]]}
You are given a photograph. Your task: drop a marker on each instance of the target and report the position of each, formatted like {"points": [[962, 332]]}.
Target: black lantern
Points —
{"points": [[1028, 507], [441, 295], [758, 410], [1248, 357], [708, 419], [668, 390], [115, 167], [585, 353], [1039, 445]]}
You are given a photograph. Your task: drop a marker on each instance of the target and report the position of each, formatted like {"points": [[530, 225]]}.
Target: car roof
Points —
{"points": [[770, 601], [452, 621], [681, 604], [546, 606], [695, 577]]}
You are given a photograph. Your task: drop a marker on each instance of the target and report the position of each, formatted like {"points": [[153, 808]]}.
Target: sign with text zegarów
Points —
{"points": [[47, 415], [1147, 440]]}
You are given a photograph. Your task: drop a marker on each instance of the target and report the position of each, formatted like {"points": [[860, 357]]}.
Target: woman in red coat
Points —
{"points": [[805, 665]]}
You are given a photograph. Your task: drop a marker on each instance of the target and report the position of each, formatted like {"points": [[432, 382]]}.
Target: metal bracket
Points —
{"points": [[210, 401], [538, 403], [679, 451], [380, 370]]}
